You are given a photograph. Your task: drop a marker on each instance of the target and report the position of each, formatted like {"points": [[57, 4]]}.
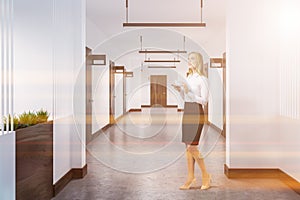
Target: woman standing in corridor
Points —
{"points": [[195, 94]]}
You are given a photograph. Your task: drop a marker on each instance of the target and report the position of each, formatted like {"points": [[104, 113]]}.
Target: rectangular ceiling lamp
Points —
{"points": [[119, 69], [129, 74], [149, 51], [162, 61], [216, 63], [98, 59], [153, 24]]}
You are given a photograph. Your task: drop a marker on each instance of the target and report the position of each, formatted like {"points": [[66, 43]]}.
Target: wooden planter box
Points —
{"points": [[34, 162]]}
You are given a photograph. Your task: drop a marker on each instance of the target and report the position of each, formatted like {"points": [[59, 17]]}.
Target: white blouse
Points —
{"points": [[197, 89]]}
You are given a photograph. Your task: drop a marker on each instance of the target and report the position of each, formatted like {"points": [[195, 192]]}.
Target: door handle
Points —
{"points": [[91, 100]]}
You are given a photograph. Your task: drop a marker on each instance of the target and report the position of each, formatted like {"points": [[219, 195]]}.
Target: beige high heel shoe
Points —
{"points": [[188, 185], [206, 183]]}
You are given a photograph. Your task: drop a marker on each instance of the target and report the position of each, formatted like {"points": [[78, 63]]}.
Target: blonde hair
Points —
{"points": [[199, 66]]}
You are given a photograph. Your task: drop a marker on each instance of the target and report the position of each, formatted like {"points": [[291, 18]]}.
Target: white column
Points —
{"points": [[7, 135]]}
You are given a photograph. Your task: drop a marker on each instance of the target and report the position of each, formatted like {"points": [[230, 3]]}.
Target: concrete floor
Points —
{"points": [[142, 157]]}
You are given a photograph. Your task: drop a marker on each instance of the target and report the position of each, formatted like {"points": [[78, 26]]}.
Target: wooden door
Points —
{"points": [[224, 94], [112, 95], [88, 92], [158, 90], [124, 93]]}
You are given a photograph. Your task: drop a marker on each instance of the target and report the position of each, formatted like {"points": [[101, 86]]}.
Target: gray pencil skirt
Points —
{"points": [[192, 123]]}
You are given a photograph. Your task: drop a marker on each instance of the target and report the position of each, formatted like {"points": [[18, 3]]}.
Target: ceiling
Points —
{"points": [[109, 16]]}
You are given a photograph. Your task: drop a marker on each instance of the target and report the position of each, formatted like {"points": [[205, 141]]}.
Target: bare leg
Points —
{"points": [[190, 165], [200, 161], [191, 168]]}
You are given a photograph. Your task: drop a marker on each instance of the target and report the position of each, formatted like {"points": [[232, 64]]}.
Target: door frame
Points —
{"points": [[124, 92], [224, 94], [88, 95], [112, 95]]}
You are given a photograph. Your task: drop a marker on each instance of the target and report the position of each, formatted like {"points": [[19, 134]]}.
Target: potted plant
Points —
{"points": [[34, 155]]}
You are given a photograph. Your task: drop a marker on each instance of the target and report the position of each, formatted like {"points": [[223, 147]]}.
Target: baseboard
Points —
{"points": [[79, 173], [241, 173], [106, 127], [180, 110], [119, 118], [96, 134], [167, 106], [72, 174], [250, 173], [145, 106], [172, 106], [135, 110], [290, 181], [215, 127]]}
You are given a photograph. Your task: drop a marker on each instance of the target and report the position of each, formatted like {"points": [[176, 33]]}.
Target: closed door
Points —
{"points": [[224, 94], [112, 94], [89, 100], [158, 90]]}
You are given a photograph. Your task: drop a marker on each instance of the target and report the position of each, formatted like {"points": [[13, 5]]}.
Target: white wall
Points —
{"points": [[7, 166], [263, 126], [253, 86], [79, 77], [290, 88], [100, 96], [290, 147], [216, 97], [93, 34], [69, 92], [7, 138], [119, 93], [214, 43], [133, 88]]}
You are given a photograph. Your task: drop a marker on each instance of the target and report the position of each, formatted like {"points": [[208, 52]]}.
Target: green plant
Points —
{"points": [[33, 118], [27, 119], [42, 116], [15, 122]]}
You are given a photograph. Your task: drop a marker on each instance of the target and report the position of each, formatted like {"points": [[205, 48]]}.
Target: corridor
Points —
{"points": [[142, 157]]}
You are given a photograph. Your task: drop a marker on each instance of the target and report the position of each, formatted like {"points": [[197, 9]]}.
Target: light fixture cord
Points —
{"points": [[201, 11], [184, 43], [127, 11], [141, 41]]}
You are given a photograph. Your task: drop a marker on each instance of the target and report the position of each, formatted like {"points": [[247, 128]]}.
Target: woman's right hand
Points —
{"points": [[176, 87], [186, 89]]}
